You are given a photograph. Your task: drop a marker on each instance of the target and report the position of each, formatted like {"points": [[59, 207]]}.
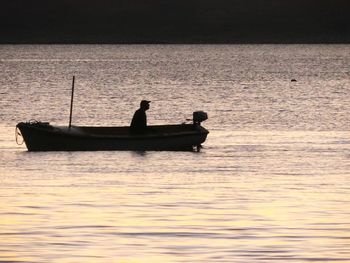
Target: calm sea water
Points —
{"points": [[270, 185]]}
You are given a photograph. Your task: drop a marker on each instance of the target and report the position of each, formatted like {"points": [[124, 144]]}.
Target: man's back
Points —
{"points": [[139, 121]]}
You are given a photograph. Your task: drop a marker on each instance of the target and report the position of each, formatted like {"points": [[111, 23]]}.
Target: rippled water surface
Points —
{"points": [[272, 183]]}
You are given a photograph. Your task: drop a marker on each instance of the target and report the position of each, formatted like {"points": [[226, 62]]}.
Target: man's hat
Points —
{"points": [[144, 102]]}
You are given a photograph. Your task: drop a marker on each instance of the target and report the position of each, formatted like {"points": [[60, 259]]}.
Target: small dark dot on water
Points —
{"points": [[293, 80]]}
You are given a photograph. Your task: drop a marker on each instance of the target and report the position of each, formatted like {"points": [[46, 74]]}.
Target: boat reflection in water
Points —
{"points": [[41, 136]]}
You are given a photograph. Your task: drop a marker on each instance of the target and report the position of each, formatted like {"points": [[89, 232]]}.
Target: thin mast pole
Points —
{"points": [[71, 104]]}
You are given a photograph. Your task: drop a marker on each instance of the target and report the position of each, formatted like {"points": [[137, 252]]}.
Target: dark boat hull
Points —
{"points": [[44, 137]]}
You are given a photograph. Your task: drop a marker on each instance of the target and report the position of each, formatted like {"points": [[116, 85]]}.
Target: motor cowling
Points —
{"points": [[199, 116]]}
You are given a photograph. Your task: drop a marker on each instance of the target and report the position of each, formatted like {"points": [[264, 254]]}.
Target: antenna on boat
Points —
{"points": [[71, 104]]}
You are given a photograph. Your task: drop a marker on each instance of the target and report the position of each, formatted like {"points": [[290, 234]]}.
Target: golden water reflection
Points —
{"points": [[266, 200]]}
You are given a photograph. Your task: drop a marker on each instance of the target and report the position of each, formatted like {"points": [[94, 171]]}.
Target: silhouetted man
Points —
{"points": [[139, 120]]}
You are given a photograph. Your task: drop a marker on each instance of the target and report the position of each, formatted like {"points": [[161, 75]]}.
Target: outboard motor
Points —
{"points": [[199, 116]]}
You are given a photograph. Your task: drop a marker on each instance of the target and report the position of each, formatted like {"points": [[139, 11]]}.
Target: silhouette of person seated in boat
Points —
{"points": [[139, 120]]}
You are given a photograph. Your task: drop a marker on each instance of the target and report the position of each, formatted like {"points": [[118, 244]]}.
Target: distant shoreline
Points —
{"points": [[177, 42], [175, 22]]}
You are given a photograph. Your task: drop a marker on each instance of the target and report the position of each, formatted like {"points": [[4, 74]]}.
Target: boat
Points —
{"points": [[42, 136]]}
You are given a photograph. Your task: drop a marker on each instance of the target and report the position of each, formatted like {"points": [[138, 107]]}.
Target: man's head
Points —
{"points": [[144, 104]]}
